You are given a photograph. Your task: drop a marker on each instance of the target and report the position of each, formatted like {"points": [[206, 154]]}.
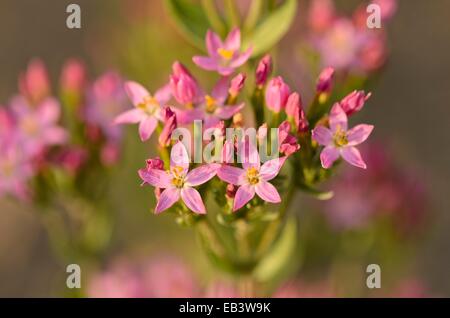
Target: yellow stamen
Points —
{"points": [[149, 105], [178, 177], [226, 54], [211, 104], [340, 138], [252, 175]]}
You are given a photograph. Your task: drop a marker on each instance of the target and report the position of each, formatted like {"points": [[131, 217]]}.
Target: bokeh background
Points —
{"points": [[410, 108]]}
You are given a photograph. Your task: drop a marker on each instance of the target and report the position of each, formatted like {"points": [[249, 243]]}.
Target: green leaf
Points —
{"points": [[190, 20], [271, 29]]}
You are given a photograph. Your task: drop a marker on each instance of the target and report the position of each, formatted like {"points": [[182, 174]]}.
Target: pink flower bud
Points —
{"points": [[237, 83], [73, 76], [231, 191], [170, 123], [325, 81], [34, 83], [110, 154], [354, 102], [184, 87], [321, 15], [155, 163], [288, 143], [263, 70], [262, 132], [294, 109], [277, 93]]}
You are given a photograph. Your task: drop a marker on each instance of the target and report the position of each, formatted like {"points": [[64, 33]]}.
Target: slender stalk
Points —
{"points": [[232, 13], [213, 16], [253, 15]]}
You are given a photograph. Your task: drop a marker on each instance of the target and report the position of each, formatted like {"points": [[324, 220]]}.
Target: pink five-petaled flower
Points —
{"points": [[224, 57], [147, 109], [254, 178], [178, 182], [339, 141]]}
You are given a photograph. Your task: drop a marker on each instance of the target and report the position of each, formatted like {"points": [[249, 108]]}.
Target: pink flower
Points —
{"points": [[354, 102], [72, 159], [288, 143], [147, 109], [254, 178], [388, 8], [237, 83], [325, 80], [185, 88], [339, 141], [34, 83], [170, 123], [73, 76], [294, 110], [277, 93], [224, 57], [178, 182], [321, 15], [263, 70]]}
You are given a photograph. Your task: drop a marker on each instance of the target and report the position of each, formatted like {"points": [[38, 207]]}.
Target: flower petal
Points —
{"points": [[179, 156], [231, 174], [249, 155], [193, 200], [49, 110], [244, 194], [353, 157], [322, 135], [136, 92], [206, 63], [147, 127], [267, 192], [202, 174], [54, 135], [359, 134], [233, 40], [167, 198], [220, 90], [226, 112], [328, 156], [155, 177], [132, 116], [338, 118], [224, 70], [213, 43], [163, 94], [271, 168], [241, 58]]}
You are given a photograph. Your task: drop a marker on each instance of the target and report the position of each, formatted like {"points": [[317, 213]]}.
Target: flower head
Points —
{"points": [[170, 124], [354, 102], [184, 86], [339, 141], [223, 57], [73, 76], [34, 84], [288, 143], [325, 81], [237, 83], [277, 93], [294, 110], [263, 70]]}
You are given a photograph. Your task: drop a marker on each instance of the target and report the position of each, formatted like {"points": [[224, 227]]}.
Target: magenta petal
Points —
{"points": [[193, 200], [206, 63], [163, 94], [244, 194], [322, 135], [179, 156], [49, 110], [359, 134], [353, 157], [213, 43], [202, 174], [328, 156], [271, 168], [167, 198], [338, 118], [132, 116], [231, 174], [147, 127], [241, 58], [267, 192], [233, 40], [226, 112], [136, 92], [155, 177]]}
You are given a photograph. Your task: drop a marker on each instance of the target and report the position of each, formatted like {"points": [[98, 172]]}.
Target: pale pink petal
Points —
{"points": [[244, 194], [213, 43], [224, 70], [231, 174], [202, 174], [49, 110], [136, 92], [267, 192], [249, 155], [338, 118], [147, 127], [227, 152], [132, 116], [353, 157], [179, 156], [233, 40], [328, 156], [155, 177], [220, 90], [163, 94], [241, 58], [359, 134], [206, 63], [322, 135], [185, 117], [226, 112], [55, 136], [167, 198], [193, 200], [271, 168]]}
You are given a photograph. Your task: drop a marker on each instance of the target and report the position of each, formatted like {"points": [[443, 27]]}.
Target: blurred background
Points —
{"points": [[409, 108]]}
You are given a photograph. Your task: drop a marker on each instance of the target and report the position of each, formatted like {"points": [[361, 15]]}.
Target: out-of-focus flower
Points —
{"points": [[325, 81], [388, 8], [339, 141], [170, 123], [321, 15], [224, 57], [296, 114], [288, 143], [110, 153], [237, 83], [73, 76], [254, 178], [263, 70], [72, 159], [298, 289], [277, 94], [147, 111], [34, 84], [106, 99], [178, 182], [354, 102], [185, 88]]}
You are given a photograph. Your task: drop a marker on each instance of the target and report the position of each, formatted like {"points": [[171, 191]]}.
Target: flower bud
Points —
{"points": [[354, 102], [34, 84], [263, 70], [170, 123], [184, 87], [231, 191], [294, 110], [277, 93], [155, 163], [325, 81], [73, 76], [237, 83], [287, 143]]}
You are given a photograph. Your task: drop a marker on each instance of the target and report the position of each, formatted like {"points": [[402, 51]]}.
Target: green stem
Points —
{"points": [[213, 16], [253, 15], [232, 13]]}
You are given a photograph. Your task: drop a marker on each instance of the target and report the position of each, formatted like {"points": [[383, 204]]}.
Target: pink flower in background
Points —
{"points": [[254, 178], [178, 182], [263, 70], [34, 83], [224, 57], [72, 158], [339, 141], [321, 15], [325, 81], [147, 111], [354, 102], [277, 94], [37, 126], [73, 76], [184, 86]]}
